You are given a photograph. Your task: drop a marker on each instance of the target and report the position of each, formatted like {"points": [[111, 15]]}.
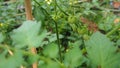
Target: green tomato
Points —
{"points": [[72, 19], [61, 15], [84, 51], [86, 37], [81, 31], [55, 17]]}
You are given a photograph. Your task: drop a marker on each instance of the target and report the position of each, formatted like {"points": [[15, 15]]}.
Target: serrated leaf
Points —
{"points": [[2, 37], [14, 61], [73, 58], [51, 50], [49, 64], [101, 51], [28, 35]]}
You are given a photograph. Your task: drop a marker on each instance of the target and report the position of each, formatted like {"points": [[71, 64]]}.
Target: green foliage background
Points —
{"points": [[61, 39]]}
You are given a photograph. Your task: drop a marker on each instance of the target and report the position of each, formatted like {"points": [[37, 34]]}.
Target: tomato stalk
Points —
{"points": [[56, 27], [57, 32], [28, 9]]}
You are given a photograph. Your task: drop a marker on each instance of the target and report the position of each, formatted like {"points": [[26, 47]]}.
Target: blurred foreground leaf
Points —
{"points": [[74, 58], [14, 61], [101, 52], [51, 50], [28, 34]]}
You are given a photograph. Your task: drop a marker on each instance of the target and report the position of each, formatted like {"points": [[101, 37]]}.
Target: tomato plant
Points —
{"points": [[65, 33]]}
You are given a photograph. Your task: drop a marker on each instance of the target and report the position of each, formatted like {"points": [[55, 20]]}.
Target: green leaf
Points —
{"points": [[52, 37], [14, 61], [32, 58], [38, 13], [28, 35], [118, 42], [51, 50], [49, 64], [2, 37], [101, 52], [73, 58]]}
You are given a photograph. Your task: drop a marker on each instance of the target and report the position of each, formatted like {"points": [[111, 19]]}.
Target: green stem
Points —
{"points": [[56, 27], [57, 32], [58, 41], [42, 8], [113, 30], [60, 8]]}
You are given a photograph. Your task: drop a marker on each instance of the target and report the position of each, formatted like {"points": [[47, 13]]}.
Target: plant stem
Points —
{"points": [[57, 32], [56, 27], [42, 8], [60, 8], [58, 41], [28, 9]]}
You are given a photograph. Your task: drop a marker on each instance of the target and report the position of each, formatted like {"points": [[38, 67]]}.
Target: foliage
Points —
{"points": [[74, 58], [12, 61], [28, 35], [102, 52], [1, 37], [62, 32]]}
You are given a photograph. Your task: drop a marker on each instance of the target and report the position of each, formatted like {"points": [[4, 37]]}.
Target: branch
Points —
{"points": [[28, 9]]}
